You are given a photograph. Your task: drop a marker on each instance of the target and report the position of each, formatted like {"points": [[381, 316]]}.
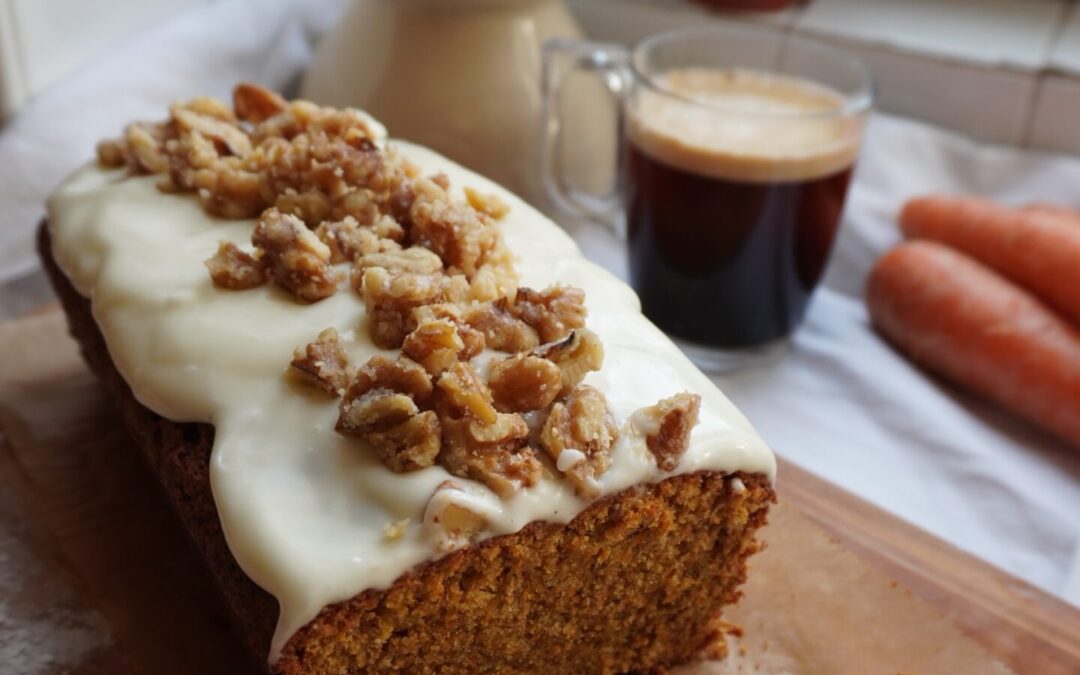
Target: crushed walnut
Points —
{"points": [[553, 312], [298, 165], [382, 406], [435, 345], [490, 204], [233, 268], [323, 363], [576, 356], [524, 382], [453, 518], [667, 426], [336, 205], [579, 434], [497, 454], [297, 260]]}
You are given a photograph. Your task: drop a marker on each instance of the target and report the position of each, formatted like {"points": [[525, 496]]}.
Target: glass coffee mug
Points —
{"points": [[737, 151]]}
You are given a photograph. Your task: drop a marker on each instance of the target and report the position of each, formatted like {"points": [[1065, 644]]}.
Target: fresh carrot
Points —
{"points": [[1057, 210], [1036, 250], [960, 319]]}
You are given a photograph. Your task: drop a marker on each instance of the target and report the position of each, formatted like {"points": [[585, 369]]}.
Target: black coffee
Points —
{"points": [[719, 254]]}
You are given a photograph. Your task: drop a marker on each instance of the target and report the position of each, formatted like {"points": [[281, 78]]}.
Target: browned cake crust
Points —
{"points": [[633, 583]]}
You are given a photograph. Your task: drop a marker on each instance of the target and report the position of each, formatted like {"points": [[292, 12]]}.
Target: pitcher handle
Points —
{"points": [[561, 57]]}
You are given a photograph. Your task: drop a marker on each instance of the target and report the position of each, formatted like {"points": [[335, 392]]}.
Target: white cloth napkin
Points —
{"points": [[842, 403]]}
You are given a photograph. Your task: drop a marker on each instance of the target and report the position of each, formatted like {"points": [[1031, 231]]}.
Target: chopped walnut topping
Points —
{"points": [[414, 259], [111, 153], [461, 236], [442, 180], [390, 299], [227, 137], [324, 363], [553, 312], [578, 435], [256, 104], [577, 355], [453, 517], [436, 278], [472, 339], [389, 230], [311, 206], [490, 204], [466, 394], [404, 376], [380, 407], [299, 262], [145, 151], [524, 382], [667, 426], [360, 204], [502, 330], [345, 238], [492, 283], [404, 438], [235, 269], [495, 454], [434, 344]]}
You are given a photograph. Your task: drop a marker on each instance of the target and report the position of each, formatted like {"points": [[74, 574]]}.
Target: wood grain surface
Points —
{"points": [[1030, 630]]}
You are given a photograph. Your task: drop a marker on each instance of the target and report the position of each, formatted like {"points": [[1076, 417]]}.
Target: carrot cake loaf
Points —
{"points": [[407, 425]]}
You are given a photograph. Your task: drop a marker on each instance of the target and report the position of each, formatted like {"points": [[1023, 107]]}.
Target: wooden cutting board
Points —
{"points": [[1025, 628]]}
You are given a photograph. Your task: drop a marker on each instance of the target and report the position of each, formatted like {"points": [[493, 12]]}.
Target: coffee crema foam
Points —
{"points": [[744, 125]]}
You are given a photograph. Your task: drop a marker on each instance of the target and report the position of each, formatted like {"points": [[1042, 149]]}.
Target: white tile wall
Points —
{"points": [[991, 104], [1010, 33], [1005, 71]]}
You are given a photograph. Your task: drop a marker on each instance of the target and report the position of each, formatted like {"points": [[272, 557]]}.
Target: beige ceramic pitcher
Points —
{"points": [[463, 77]]}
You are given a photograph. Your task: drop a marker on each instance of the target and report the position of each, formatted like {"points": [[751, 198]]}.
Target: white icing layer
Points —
{"points": [[304, 509]]}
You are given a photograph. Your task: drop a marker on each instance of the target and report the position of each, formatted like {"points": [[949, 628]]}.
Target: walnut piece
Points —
{"points": [[524, 382], [404, 438], [403, 375], [253, 103], [453, 518], [310, 206], [390, 299], [553, 312], [414, 259], [298, 261], [472, 339], [495, 454], [667, 426], [579, 434], [235, 269], [435, 345], [145, 151], [380, 407], [502, 330], [490, 204], [464, 393], [577, 355], [323, 363], [461, 236]]}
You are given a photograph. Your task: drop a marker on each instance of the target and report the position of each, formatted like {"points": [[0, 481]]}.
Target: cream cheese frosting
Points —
{"points": [[314, 517]]}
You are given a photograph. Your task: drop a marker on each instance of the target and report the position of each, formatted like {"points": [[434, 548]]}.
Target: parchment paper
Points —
{"points": [[810, 606]]}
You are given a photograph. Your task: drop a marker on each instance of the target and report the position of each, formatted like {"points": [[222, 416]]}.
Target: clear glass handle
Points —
{"points": [[561, 57]]}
